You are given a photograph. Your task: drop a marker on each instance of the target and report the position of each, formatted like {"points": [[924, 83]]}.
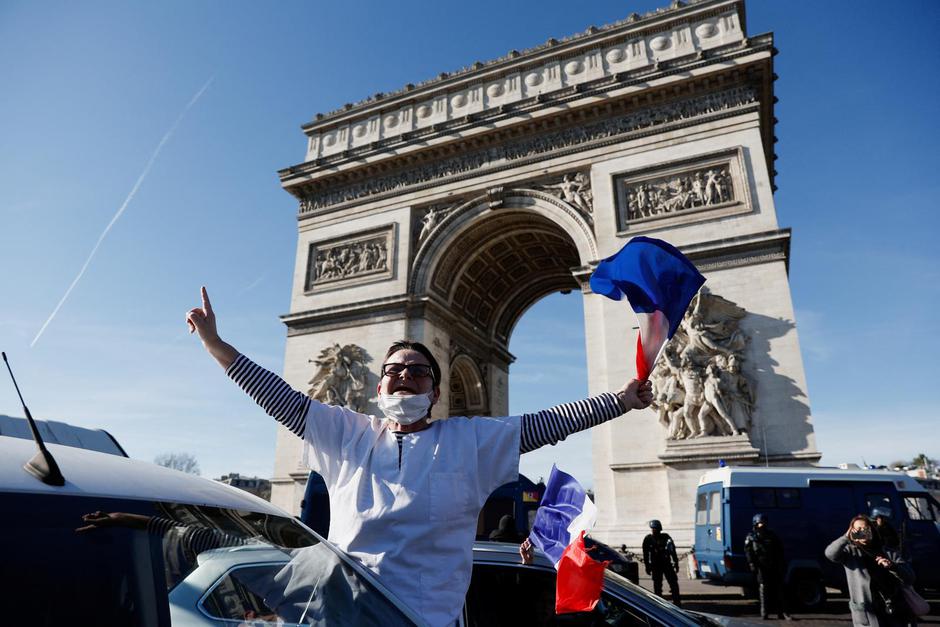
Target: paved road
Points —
{"points": [[701, 597]]}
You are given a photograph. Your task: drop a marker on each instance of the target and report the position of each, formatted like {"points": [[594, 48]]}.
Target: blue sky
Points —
{"points": [[90, 89]]}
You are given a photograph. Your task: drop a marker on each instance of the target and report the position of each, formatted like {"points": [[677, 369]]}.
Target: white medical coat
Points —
{"points": [[412, 525]]}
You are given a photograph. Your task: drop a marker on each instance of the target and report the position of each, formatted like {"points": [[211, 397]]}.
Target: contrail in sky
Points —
{"points": [[140, 179]]}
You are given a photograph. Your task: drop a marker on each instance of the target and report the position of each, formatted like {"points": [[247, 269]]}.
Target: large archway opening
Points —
{"points": [[548, 343]]}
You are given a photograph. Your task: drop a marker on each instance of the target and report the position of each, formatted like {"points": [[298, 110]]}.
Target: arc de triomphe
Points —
{"points": [[443, 211]]}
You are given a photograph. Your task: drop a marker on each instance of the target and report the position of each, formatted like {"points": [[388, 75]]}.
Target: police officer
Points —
{"points": [[765, 558], [881, 517], [659, 556]]}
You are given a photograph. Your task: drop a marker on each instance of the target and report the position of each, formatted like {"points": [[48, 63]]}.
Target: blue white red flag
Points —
{"points": [[659, 282], [564, 515]]}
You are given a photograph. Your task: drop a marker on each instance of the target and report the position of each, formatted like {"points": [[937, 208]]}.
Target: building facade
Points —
{"points": [[443, 211]]}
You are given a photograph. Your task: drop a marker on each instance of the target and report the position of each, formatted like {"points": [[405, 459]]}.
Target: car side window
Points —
{"points": [[509, 594], [236, 595], [56, 570], [918, 508]]}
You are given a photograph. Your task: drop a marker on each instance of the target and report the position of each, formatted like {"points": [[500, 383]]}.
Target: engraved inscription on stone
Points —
{"points": [[358, 256], [341, 376], [693, 189], [699, 388]]}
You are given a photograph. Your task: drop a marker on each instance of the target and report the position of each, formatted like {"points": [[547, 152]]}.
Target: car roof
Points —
{"points": [[755, 476], [89, 473], [55, 432]]}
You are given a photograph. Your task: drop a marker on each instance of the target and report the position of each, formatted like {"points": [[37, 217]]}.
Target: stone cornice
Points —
{"points": [[635, 29], [743, 250], [517, 147], [588, 92]]}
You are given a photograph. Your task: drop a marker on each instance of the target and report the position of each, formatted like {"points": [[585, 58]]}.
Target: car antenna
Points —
{"points": [[42, 465]]}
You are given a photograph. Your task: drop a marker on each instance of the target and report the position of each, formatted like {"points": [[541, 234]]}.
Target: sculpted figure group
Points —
{"points": [[701, 188], [340, 262], [341, 377], [698, 387]]}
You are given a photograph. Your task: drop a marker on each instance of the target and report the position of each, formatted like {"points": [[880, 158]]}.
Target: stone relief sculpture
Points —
{"points": [[688, 190], [349, 260], [698, 386], [467, 162], [341, 377], [430, 220], [575, 189]]}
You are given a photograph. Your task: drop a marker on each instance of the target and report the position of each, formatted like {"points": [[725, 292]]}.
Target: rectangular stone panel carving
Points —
{"points": [[350, 260], [704, 187]]}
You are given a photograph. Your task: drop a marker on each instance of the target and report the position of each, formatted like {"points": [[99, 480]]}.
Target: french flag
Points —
{"points": [[565, 513], [659, 282]]}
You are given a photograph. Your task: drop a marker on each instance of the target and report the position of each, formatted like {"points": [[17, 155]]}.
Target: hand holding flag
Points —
{"points": [[659, 282], [564, 515]]}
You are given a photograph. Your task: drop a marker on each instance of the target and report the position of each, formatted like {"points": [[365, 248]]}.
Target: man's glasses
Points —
{"points": [[415, 370]]}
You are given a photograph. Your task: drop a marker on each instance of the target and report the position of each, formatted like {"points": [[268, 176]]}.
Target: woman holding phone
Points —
{"points": [[875, 574]]}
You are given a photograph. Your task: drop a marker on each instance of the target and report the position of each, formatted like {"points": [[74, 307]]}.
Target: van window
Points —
{"points": [[919, 508], [788, 498], [701, 508], [763, 498], [714, 508]]}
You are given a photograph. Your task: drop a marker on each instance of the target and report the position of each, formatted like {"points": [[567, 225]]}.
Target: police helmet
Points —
{"points": [[759, 519], [655, 524], [880, 510]]}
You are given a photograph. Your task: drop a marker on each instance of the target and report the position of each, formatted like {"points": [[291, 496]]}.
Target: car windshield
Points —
{"points": [[81, 560]]}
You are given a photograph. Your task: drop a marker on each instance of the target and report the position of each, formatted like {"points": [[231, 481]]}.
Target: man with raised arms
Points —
{"points": [[405, 492]]}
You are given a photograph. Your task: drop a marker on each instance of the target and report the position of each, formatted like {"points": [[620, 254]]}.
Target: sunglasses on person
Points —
{"points": [[417, 371]]}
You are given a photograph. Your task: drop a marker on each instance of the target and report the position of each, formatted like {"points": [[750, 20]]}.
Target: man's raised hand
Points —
{"points": [[202, 319]]}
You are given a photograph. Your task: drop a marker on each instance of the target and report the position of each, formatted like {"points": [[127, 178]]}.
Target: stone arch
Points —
{"points": [[468, 395], [494, 256]]}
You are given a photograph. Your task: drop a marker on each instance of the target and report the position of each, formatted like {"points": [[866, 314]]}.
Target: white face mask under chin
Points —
{"points": [[405, 409]]}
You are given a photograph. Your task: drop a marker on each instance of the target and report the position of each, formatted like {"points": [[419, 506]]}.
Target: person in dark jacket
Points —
{"points": [[881, 517], [765, 558], [659, 556], [506, 531], [875, 574]]}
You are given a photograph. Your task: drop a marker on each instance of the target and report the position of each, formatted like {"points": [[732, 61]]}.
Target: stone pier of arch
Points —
{"points": [[443, 211]]}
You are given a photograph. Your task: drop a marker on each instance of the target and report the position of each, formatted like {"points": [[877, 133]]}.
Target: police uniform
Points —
{"points": [[659, 556], [765, 558]]}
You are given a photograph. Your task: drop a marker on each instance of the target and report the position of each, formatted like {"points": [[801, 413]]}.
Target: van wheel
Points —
{"points": [[807, 591]]}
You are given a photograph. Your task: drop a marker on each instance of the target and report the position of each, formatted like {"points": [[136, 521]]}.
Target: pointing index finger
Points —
{"points": [[205, 301]]}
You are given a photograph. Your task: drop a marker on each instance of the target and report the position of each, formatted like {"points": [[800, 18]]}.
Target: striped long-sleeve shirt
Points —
{"points": [[549, 426]]}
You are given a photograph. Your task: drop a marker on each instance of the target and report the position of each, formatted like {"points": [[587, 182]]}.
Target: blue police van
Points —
{"points": [[808, 508]]}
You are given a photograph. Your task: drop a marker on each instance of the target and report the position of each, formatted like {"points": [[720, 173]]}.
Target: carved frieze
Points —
{"points": [[341, 377], [351, 259], [699, 388], [532, 146], [702, 187]]}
